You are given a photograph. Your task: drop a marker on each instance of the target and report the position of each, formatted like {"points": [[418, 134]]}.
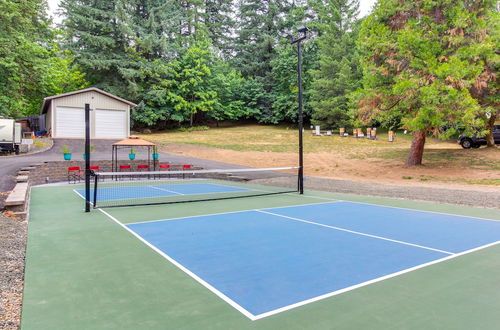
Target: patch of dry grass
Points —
{"points": [[272, 139]]}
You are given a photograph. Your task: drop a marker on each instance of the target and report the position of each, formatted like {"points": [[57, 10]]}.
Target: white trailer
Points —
{"points": [[10, 135]]}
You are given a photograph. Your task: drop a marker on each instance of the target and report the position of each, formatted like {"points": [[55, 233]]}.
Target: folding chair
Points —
{"points": [[74, 174], [185, 167], [96, 168], [164, 167], [125, 168]]}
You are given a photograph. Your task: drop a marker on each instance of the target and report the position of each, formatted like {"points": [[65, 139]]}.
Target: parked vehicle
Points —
{"points": [[10, 135], [473, 142]]}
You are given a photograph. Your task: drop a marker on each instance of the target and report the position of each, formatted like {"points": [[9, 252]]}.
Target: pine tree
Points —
{"points": [[98, 37], [31, 65], [220, 24], [339, 72], [260, 25]]}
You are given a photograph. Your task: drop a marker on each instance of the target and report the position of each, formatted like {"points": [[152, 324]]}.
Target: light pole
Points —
{"points": [[303, 30]]}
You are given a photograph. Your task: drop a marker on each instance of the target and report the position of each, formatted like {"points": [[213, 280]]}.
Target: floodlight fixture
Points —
{"points": [[302, 29]]}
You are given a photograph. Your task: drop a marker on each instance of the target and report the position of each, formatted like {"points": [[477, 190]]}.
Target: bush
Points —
{"points": [[193, 128]]}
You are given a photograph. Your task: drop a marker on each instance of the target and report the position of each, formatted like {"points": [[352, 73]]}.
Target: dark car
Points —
{"points": [[473, 142]]}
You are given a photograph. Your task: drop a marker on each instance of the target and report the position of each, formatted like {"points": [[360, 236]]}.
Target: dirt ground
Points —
{"points": [[452, 170]]}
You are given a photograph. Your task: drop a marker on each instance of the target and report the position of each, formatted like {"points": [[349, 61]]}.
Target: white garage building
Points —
{"points": [[65, 115]]}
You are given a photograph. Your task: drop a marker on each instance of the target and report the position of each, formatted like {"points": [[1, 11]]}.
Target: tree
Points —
{"points": [[259, 27], [231, 88], [339, 71], [486, 87], [187, 87], [420, 60], [284, 70], [31, 65], [220, 24], [97, 32]]}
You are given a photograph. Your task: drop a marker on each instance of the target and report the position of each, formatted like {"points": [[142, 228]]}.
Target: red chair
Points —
{"points": [[185, 167], [96, 168], [164, 167], [142, 167], [74, 174], [125, 168]]}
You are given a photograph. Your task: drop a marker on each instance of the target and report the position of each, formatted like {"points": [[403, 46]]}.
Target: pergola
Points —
{"points": [[132, 142]]}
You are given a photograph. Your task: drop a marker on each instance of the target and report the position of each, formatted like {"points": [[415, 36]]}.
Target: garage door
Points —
{"points": [[70, 122], [110, 124]]}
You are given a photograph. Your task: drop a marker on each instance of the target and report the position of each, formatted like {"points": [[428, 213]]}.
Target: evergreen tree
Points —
{"points": [[31, 65], [220, 24], [339, 71], [285, 91], [421, 60], [260, 25], [96, 31]]}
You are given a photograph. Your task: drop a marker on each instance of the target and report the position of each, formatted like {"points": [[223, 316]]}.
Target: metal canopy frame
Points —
{"points": [[114, 154]]}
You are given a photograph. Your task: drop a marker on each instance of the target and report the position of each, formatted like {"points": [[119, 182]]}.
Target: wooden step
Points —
{"points": [[18, 195], [22, 178]]}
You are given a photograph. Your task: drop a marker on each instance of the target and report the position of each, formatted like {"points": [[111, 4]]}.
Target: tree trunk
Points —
{"points": [[490, 141], [416, 149], [191, 117]]}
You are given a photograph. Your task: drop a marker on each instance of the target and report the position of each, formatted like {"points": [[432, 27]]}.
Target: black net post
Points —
{"points": [[87, 157], [96, 179]]}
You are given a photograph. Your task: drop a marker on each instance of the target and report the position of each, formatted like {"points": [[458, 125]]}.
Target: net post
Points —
{"points": [[87, 157], [96, 179]]}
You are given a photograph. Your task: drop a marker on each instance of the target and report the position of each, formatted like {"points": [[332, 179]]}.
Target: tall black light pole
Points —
{"points": [[303, 30]]}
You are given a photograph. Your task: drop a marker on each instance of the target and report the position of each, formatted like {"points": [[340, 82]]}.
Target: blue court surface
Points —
{"points": [[266, 261], [163, 190]]}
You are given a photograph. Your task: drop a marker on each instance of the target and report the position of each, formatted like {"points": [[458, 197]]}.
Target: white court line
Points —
{"points": [[424, 211], [173, 192], [356, 232], [375, 280], [406, 208], [76, 192], [301, 303], [184, 269], [221, 213]]}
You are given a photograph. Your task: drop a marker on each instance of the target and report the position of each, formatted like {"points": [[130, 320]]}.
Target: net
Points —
{"points": [[112, 189]]}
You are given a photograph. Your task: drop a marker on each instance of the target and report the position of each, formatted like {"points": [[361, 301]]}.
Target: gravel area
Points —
{"points": [[12, 252]]}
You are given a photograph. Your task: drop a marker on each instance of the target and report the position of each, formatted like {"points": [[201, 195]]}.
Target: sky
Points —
{"points": [[365, 7]]}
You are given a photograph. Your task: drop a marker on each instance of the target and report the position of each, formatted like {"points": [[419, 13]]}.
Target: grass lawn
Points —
{"points": [[333, 156]]}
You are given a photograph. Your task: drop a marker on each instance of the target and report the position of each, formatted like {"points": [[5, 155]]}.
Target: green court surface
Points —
{"points": [[85, 271]]}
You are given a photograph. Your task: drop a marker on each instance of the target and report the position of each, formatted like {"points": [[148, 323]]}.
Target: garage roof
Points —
{"points": [[47, 100]]}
